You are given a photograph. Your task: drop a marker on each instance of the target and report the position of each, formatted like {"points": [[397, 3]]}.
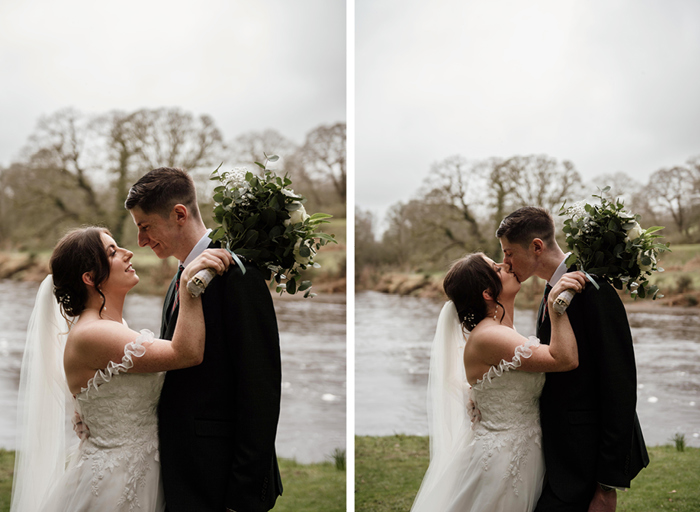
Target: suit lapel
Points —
{"points": [[167, 306]]}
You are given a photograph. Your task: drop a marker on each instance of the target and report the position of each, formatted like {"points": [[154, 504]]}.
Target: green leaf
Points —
{"points": [[319, 216], [305, 285], [641, 291], [260, 165], [291, 286], [250, 238], [268, 216], [250, 254], [653, 229], [304, 251], [271, 158], [570, 260], [250, 221]]}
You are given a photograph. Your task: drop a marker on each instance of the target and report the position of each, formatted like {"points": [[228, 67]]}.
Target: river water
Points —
{"points": [[313, 343], [393, 336]]}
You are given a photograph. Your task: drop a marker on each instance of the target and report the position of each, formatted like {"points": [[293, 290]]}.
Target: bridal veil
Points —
{"points": [[41, 412], [448, 389]]}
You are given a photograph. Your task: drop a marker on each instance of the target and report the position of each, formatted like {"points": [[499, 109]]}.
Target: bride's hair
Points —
{"points": [[80, 250], [464, 285]]}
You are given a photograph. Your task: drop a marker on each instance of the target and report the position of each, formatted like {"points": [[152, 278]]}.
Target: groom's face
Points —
{"points": [[520, 260], [157, 232]]}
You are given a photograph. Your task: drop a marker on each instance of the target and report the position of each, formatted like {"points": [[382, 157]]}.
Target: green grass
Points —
{"points": [[311, 487], [679, 255], [7, 466], [316, 487], [389, 470]]}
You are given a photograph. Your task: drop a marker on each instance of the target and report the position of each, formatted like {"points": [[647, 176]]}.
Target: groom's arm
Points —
{"points": [[609, 333], [257, 375]]}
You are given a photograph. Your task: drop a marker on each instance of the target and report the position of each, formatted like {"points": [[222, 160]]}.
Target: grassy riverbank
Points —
{"points": [[389, 470], [308, 487], [155, 274], [679, 283]]}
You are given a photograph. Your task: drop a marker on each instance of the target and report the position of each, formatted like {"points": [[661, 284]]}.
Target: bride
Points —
{"points": [[112, 374], [483, 411]]}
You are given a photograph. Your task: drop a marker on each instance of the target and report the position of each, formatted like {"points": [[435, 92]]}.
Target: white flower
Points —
{"points": [[235, 179], [296, 216], [652, 257], [302, 260], [577, 210], [634, 232], [288, 192]]}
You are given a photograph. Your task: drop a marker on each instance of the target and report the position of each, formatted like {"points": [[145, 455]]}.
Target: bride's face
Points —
{"points": [[510, 282], [122, 275]]}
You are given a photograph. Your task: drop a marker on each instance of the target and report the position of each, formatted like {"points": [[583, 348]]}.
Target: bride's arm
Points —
{"points": [[561, 355], [96, 343]]}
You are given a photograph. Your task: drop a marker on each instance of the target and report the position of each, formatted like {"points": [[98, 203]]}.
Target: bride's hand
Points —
{"points": [[216, 259], [575, 281]]}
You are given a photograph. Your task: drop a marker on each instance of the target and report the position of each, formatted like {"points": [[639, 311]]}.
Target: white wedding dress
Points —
{"points": [[494, 463], [117, 467]]}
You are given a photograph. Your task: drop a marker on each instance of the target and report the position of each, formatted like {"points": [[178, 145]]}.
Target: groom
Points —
{"points": [[217, 421], [592, 440]]}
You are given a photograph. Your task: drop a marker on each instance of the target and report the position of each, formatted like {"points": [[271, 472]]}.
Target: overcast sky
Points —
{"points": [[610, 85], [251, 65]]}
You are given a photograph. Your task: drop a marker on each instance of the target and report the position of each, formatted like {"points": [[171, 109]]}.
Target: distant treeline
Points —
{"points": [[462, 202], [77, 169]]}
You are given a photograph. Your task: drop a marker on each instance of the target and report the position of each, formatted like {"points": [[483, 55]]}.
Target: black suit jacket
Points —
{"points": [[590, 428], [218, 420]]}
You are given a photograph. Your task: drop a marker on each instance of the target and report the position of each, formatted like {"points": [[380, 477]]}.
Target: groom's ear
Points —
{"points": [[537, 246], [87, 279], [180, 213]]}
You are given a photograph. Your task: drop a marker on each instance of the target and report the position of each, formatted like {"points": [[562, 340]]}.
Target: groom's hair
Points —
{"points": [[527, 223], [159, 190]]}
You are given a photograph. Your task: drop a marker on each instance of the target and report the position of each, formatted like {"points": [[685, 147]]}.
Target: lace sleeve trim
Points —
{"points": [[522, 351], [136, 348]]}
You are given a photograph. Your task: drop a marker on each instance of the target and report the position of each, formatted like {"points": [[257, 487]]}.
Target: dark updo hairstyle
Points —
{"points": [[464, 285], [81, 250]]}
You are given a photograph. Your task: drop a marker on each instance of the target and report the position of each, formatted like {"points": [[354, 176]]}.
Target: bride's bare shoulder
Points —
{"points": [[87, 330], [488, 332]]}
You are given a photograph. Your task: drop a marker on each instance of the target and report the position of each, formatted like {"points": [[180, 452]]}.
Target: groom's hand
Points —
{"points": [[79, 427], [603, 501]]}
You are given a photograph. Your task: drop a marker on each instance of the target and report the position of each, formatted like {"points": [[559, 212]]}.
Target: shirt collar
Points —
{"points": [[198, 248], [560, 271]]}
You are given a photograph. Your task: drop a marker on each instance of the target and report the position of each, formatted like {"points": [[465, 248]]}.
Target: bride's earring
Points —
{"points": [[495, 312]]}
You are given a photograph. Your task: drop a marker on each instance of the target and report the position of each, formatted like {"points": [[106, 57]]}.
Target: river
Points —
{"points": [[393, 335], [313, 344]]}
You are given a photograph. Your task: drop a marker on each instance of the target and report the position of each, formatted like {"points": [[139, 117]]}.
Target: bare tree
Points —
{"points": [[60, 146], [323, 155], [456, 186], [173, 138], [622, 186], [253, 146], [671, 192], [539, 180]]}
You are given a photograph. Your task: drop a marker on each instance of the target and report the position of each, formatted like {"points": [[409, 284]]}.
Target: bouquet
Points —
{"points": [[606, 240], [263, 220]]}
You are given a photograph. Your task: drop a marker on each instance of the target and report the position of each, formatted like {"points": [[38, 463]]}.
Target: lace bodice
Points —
{"points": [[508, 399], [120, 409], [506, 412]]}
